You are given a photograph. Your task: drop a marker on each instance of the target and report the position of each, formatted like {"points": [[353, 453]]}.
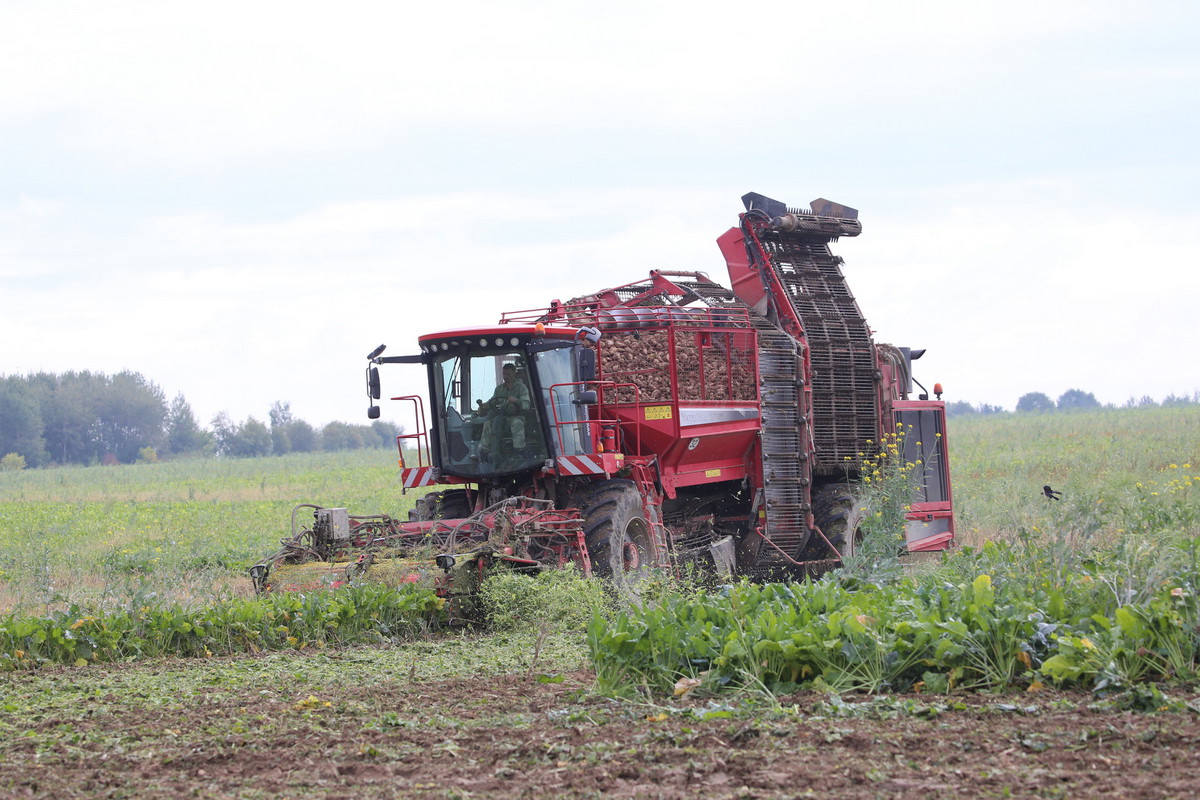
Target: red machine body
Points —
{"points": [[673, 419], [741, 416]]}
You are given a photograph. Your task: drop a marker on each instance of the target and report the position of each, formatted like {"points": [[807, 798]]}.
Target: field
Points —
{"points": [[517, 710]]}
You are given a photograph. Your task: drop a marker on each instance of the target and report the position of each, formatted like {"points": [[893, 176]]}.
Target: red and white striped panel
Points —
{"points": [[417, 476], [580, 465]]}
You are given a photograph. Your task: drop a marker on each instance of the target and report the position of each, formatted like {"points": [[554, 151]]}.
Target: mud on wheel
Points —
{"points": [[618, 536], [838, 511], [450, 504]]}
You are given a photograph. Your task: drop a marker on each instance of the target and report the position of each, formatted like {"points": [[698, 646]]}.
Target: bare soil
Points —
{"points": [[519, 737]]}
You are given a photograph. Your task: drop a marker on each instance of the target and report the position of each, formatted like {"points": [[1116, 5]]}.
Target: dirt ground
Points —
{"points": [[520, 737]]}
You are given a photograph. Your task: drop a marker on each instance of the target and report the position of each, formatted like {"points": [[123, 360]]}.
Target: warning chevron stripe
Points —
{"points": [[417, 476]]}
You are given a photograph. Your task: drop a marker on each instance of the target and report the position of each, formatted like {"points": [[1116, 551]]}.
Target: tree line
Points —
{"points": [[1070, 400], [88, 418]]}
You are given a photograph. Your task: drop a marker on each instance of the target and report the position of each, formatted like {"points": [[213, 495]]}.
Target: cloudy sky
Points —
{"points": [[241, 200]]}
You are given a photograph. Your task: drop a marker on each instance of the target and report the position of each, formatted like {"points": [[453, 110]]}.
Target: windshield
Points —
{"points": [[488, 422], [556, 374]]}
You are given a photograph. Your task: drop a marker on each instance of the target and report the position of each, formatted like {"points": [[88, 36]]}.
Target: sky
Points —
{"points": [[241, 200]]}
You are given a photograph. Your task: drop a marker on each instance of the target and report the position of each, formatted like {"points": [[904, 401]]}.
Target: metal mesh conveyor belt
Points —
{"points": [[841, 353]]}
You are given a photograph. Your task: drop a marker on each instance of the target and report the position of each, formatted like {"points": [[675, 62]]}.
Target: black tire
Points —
{"points": [[451, 504], [618, 535], [838, 511], [422, 510]]}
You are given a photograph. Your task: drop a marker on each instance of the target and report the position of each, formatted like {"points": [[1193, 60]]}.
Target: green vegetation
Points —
{"points": [[1107, 463], [367, 614], [1097, 590], [551, 602], [91, 418], [179, 532], [1010, 624]]}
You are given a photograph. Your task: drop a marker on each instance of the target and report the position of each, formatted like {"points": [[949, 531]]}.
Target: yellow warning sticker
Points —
{"points": [[658, 412], [712, 473]]}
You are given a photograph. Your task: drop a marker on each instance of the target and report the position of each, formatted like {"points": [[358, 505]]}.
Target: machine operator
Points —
{"points": [[509, 403]]}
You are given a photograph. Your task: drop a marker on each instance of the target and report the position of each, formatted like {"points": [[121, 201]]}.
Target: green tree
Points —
{"points": [[130, 412], [21, 422], [386, 431], [249, 439], [184, 434], [1035, 402], [1077, 400], [1173, 401], [68, 405], [302, 437], [959, 408], [12, 462], [342, 436], [281, 423], [225, 432], [255, 439]]}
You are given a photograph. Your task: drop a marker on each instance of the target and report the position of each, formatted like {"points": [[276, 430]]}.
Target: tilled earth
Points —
{"points": [[518, 736]]}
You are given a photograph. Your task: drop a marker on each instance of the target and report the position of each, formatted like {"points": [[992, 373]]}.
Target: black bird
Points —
{"points": [[1050, 493]]}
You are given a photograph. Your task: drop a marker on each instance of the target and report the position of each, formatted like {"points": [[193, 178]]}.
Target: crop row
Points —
{"points": [[917, 634], [351, 615]]}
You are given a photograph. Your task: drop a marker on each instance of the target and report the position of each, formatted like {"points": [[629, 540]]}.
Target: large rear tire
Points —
{"points": [[618, 535]]}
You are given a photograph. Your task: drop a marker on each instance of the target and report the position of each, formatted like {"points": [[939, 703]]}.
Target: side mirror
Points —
{"points": [[587, 364], [373, 382], [373, 412], [586, 398]]}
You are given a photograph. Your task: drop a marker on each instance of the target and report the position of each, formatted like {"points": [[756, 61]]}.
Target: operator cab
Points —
{"points": [[507, 400]]}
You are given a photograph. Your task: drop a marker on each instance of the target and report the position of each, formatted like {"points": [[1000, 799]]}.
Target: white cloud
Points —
{"points": [[156, 82], [233, 198], [1007, 299]]}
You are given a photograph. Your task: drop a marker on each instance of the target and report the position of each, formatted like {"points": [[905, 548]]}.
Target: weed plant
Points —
{"points": [[553, 600], [883, 500]]}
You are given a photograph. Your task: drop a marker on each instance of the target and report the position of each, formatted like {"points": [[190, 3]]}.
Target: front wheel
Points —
{"points": [[450, 504], [838, 511], [618, 536]]}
